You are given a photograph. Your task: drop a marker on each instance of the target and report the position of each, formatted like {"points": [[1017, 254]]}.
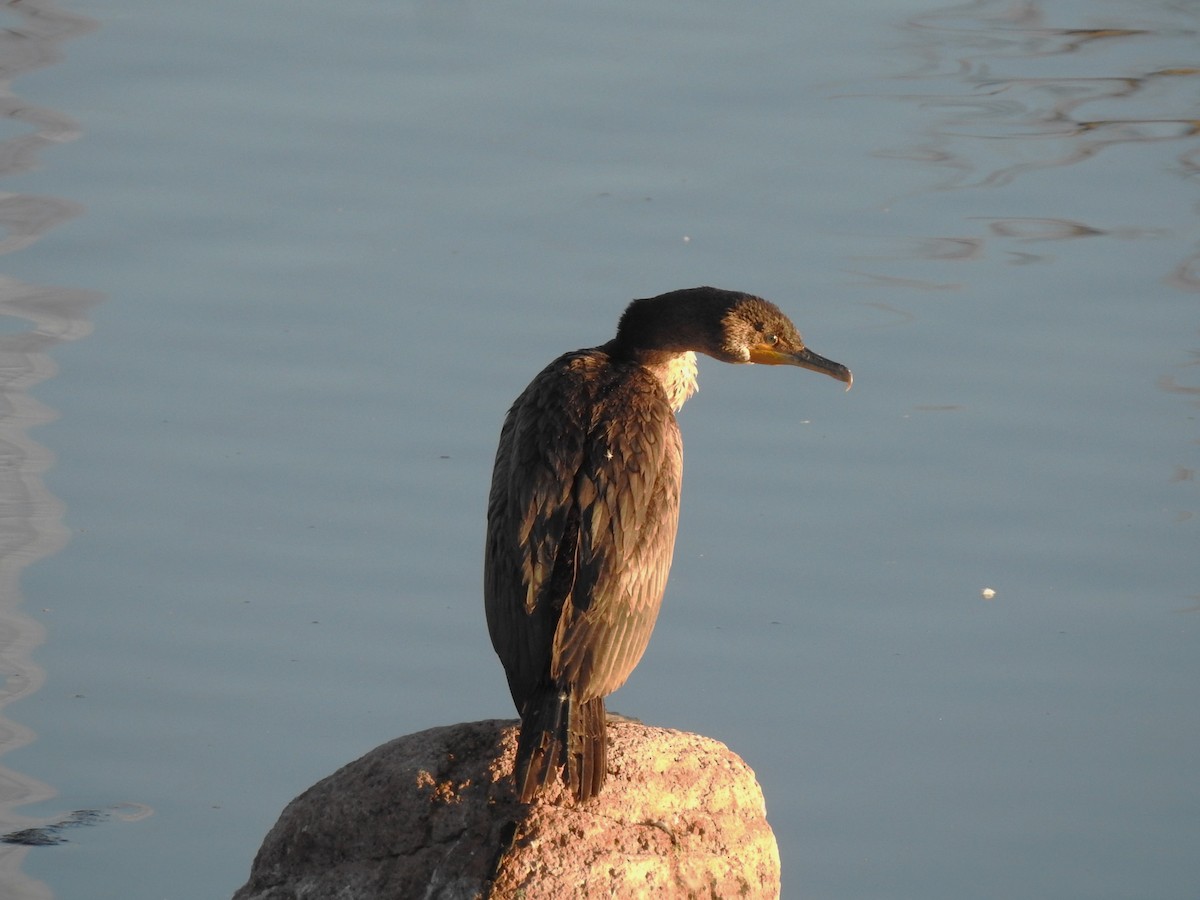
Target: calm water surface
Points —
{"points": [[274, 272]]}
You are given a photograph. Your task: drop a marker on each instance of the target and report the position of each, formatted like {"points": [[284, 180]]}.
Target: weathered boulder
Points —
{"points": [[433, 815]]}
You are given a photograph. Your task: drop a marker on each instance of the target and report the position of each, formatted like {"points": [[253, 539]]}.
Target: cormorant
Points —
{"points": [[583, 511]]}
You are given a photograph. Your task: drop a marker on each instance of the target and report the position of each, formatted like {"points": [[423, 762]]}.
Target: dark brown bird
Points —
{"points": [[583, 511]]}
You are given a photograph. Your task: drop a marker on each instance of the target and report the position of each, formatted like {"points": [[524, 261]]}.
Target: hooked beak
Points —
{"points": [[805, 359]]}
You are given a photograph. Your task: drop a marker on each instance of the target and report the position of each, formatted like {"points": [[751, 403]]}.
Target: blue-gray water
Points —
{"points": [[275, 270]]}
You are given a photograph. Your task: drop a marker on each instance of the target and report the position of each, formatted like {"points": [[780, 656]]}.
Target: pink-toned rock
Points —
{"points": [[432, 815]]}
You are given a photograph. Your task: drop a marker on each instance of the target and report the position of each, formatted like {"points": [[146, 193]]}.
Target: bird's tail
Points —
{"points": [[558, 732], [587, 748]]}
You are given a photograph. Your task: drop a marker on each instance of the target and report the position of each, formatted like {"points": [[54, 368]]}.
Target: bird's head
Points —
{"points": [[727, 325]]}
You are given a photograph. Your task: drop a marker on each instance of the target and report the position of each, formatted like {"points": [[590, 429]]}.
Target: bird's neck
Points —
{"points": [[676, 372]]}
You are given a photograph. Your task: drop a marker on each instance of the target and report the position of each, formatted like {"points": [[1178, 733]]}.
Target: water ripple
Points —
{"points": [[1087, 111], [34, 318], [1059, 118]]}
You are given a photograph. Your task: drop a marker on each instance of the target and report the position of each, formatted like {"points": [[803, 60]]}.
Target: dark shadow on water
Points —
{"points": [[51, 834]]}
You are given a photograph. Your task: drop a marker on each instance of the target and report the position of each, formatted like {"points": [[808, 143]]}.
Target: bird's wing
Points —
{"points": [[582, 520], [626, 493], [529, 515]]}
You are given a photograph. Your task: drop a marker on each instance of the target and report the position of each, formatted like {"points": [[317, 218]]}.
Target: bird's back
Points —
{"points": [[582, 518]]}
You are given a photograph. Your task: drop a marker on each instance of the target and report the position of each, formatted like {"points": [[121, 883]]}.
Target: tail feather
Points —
{"points": [[587, 749], [558, 733], [542, 741]]}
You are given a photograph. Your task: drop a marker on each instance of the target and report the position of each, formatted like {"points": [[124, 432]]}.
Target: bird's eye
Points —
{"points": [[770, 339]]}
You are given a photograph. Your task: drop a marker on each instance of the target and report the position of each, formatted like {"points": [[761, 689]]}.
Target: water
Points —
{"points": [[276, 270]]}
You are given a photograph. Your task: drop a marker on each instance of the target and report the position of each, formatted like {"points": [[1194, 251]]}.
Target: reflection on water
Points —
{"points": [[1006, 96], [33, 318], [994, 127], [983, 128]]}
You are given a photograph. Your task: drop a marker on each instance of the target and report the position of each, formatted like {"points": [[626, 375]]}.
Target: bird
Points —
{"points": [[583, 510]]}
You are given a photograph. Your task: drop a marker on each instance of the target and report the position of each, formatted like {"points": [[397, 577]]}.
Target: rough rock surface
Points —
{"points": [[433, 815]]}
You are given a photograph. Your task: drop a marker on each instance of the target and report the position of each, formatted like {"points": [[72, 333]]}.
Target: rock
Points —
{"points": [[433, 815]]}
